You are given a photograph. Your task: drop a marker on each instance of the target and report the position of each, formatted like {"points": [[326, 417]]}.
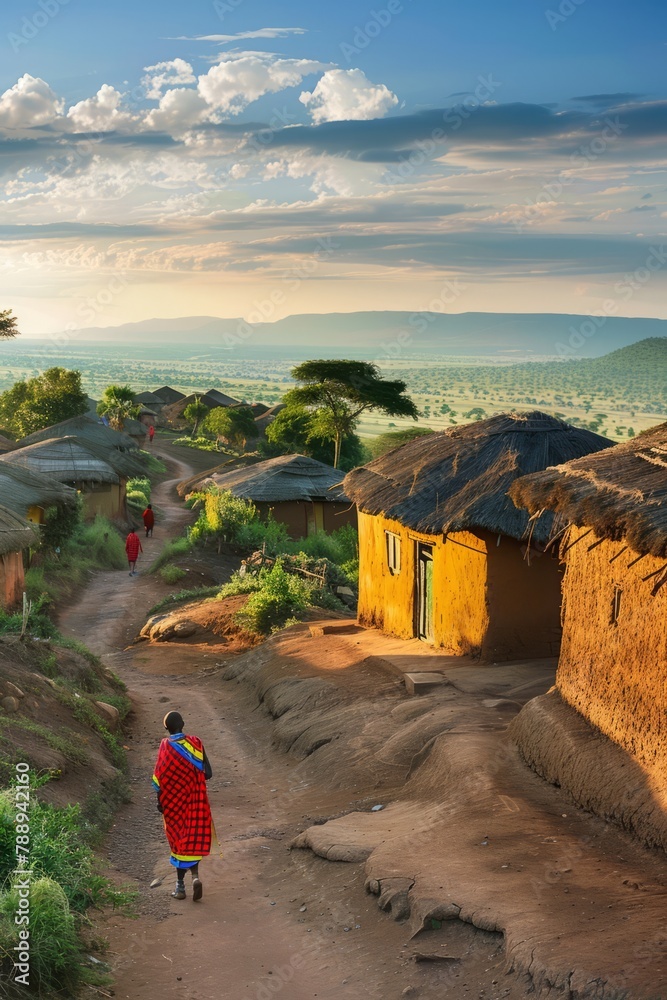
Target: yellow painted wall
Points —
{"points": [[488, 600], [616, 675], [387, 601], [107, 499]]}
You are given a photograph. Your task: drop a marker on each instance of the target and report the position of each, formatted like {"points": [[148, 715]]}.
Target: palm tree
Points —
{"points": [[194, 413], [117, 403]]}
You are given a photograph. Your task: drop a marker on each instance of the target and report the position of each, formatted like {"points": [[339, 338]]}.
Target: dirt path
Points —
{"points": [[267, 924]]}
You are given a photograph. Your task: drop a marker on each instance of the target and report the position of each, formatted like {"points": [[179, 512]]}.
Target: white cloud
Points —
{"points": [[166, 74], [29, 102], [259, 33], [242, 77], [100, 113], [179, 110], [347, 94]]}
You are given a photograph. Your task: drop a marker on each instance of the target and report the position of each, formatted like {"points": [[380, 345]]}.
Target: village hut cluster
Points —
{"points": [[80, 457], [165, 407]]}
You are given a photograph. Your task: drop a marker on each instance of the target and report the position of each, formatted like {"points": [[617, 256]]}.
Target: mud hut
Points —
{"points": [[301, 493], [608, 514], [90, 429], [445, 555], [99, 475], [16, 535], [30, 494]]}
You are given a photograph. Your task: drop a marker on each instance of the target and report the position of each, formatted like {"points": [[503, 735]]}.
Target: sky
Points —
{"points": [[260, 159]]}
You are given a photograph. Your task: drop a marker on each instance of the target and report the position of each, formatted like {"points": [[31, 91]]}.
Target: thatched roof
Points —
{"points": [[6, 444], [458, 480], [192, 483], [168, 395], [15, 532], [280, 480], [21, 489], [268, 417], [66, 459], [621, 492], [133, 428], [220, 398], [149, 399], [86, 427]]}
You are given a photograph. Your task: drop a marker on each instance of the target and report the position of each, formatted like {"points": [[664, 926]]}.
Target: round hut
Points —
{"points": [[30, 493], [445, 556]]}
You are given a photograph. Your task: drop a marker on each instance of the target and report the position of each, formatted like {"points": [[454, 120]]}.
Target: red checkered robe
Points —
{"points": [[181, 785], [133, 547]]}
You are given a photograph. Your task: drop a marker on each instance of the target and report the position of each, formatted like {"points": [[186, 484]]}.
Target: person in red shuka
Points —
{"points": [[133, 548], [151, 433], [149, 520]]}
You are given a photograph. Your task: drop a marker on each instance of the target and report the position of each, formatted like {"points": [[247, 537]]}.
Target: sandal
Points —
{"points": [[197, 890]]}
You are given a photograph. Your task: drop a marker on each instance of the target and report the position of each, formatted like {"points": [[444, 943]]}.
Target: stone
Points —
{"points": [[424, 683], [13, 690], [184, 628], [10, 704], [110, 714]]}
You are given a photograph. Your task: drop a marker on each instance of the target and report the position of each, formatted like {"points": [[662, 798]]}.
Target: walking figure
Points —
{"points": [[180, 777], [149, 520], [151, 433], [133, 548]]}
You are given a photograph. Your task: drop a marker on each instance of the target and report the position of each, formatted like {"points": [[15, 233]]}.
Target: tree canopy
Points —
{"points": [[8, 324], [394, 439], [32, 405], [194, 413], [118, 405], [233, 424], [342, 390], [297, 430]]}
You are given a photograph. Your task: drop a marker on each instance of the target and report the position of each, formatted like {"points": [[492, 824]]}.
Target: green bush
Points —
{"points": [[271, 536], [172, 574], [281, 597], [171, 550], [221, 515], [339, 547], [202, 443], [137, 501], [153, 464], [238, 584]]}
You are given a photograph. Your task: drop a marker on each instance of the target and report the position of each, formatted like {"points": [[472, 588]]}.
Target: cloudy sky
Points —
{"points": [[239, 157]]}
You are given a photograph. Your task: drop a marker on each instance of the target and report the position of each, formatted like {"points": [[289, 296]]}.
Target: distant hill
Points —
{"points": [[393, 334], [650, 354]]}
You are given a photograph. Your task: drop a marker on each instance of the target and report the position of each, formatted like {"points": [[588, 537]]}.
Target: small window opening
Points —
{"points": [[393, 552], [616, 605]]}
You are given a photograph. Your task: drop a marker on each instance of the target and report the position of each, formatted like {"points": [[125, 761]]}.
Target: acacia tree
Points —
{"points": [[233, 424], [194, 413], [343, 390], [8, 324], [297, 430], [117, 403]]}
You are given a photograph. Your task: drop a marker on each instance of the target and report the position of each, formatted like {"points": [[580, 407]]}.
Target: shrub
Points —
{"points": [[60, 523], [204, 444], [98, 542], [152, 463], [281, 596], [172, 574], [190, 594], [222, 514]]}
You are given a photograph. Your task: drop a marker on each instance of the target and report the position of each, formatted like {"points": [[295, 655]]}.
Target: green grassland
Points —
{"points": [[627, 387]]}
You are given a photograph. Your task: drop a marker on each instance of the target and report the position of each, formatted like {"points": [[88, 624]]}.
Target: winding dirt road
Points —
{"points": [[272, 922]]}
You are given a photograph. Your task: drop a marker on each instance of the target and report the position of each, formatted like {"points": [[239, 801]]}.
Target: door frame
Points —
{"points": [[423, 618]]}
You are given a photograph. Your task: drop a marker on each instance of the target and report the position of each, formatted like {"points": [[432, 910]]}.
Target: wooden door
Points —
{"points": [[424, 592]]}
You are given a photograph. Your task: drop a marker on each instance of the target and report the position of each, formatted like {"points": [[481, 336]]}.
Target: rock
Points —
{"points": [[110, 714], [185, 628], [12, 689], [10, 704]]}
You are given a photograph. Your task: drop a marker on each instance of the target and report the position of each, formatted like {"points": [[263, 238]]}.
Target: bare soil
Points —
{"points": [[497, 885]]}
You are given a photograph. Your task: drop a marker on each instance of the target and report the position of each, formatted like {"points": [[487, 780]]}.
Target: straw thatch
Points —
{"points": [[15, 532], [458, 480], [149, 399], [192, 483], [167, 395], [66, 459], [84, 427], [621, 492], [279, 480], [220, 398], [6, 444], [21, 489]]}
